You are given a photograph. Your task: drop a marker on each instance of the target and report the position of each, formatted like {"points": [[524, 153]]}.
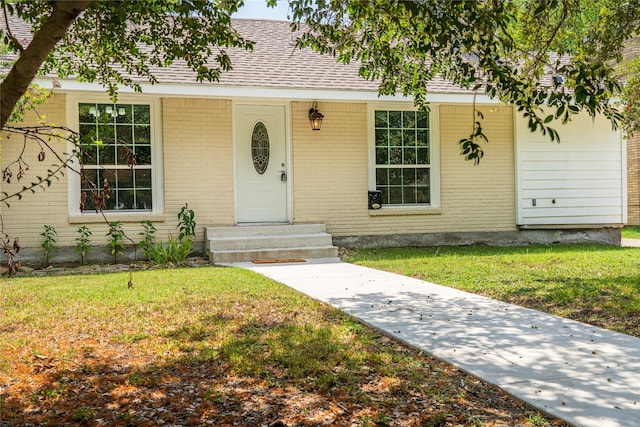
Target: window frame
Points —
{"points": [[157, 184], [434, 153]]}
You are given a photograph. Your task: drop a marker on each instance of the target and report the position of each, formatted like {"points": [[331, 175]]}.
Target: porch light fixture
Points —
{"points": [[315, 117]]}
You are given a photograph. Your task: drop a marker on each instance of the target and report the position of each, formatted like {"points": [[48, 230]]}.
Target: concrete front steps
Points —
{"points": [[269, 243]]}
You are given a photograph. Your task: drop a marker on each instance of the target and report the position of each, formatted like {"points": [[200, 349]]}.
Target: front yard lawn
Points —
{"points": [[631, 232], [217, 346], [595, 284]]}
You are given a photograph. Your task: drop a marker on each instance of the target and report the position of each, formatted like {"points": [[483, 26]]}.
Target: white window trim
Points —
{"points": [[157, 167], [434, 138]]}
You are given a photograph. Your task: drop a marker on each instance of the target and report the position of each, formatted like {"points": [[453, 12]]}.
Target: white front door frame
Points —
{"points": [[272, 201]]}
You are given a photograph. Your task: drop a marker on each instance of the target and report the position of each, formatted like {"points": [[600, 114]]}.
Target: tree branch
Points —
{"points": [[554, 32], [26, 67], [11, 36]]}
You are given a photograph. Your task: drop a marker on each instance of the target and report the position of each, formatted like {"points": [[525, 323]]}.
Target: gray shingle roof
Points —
{"points": [[275, 63]]}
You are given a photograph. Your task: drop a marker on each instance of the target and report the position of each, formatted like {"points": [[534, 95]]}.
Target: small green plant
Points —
{"points": [[83, 414], [381, 419], [174, 251], [476, 421], [186, 223], [82, 242], [135, 379], [148, 233], [116, 244], [211, 396], [538, 420], [126, 417], [364, 421], [49, 242], [53, 393]]}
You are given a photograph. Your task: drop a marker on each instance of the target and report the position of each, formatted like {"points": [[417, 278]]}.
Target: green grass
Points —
{"points": [[165, 307], [82, 348], [631, 232], [590, 283]]}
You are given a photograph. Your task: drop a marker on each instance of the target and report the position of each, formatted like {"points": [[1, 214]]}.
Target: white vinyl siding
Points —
{"points": [[579, 181]]}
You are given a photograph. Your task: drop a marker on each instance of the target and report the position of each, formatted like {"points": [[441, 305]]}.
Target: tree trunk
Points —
{"points": [[25, 68]]}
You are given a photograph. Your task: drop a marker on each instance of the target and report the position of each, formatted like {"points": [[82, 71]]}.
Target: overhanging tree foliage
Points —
{"points": [[502, 48], [570, 30], [631, 95], [117, 43], [506, 49]]}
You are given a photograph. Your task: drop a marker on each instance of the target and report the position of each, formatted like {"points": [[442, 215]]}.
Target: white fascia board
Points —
{"points": [[238, 92]]}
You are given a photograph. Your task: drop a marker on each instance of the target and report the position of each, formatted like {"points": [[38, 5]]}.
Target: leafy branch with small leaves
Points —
{"points": [[42, 135], [404, 46], [101, 47], [470, 148]]}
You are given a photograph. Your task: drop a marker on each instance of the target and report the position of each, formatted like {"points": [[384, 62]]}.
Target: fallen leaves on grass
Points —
{"points": [[113, 385], [231, 358]]}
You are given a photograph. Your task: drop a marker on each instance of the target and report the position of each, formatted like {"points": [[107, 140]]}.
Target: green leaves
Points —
{"points": [[174, 250], [49, 241], [631, 95], [116, 239], [137, 36], [186, 223], [514, 50], [503, 47], [82, 242], [470, 148], [34, 96]]}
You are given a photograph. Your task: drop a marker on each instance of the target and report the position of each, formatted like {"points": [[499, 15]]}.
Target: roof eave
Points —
{"points": [[204, 90]]}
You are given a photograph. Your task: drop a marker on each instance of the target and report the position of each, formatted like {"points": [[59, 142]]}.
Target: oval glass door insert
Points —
{"points": [[260, 147]]}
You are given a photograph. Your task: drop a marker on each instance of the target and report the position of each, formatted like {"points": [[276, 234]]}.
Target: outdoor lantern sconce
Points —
{"points": [[315, 117]]}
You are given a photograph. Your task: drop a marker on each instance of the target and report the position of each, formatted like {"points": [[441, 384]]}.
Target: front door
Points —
{"points": [[261, 163]]}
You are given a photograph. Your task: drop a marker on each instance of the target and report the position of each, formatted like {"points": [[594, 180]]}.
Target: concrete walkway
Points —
{"points": [[585, 375], [630, 243]]}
